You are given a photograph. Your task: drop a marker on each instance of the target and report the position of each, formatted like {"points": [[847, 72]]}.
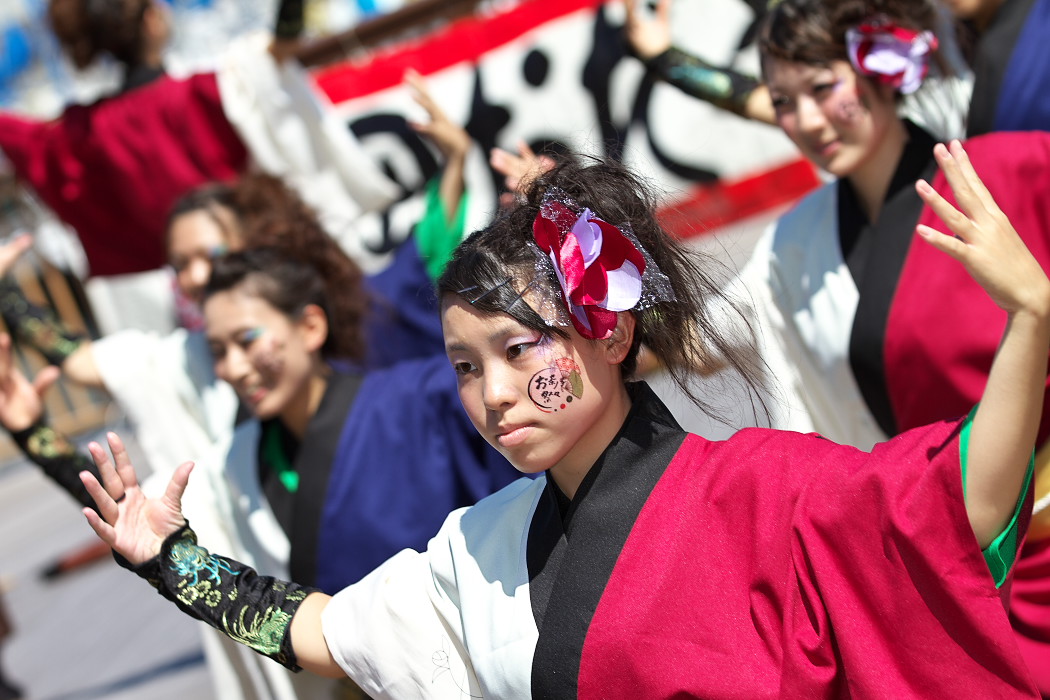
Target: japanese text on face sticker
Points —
{"points": [[553, 388], [268, 359], [849, 110]]}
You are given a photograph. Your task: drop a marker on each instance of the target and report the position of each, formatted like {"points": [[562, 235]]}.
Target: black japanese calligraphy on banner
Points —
{"points": [[564, 83]]}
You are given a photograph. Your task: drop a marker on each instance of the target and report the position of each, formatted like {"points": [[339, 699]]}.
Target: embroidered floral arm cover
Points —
{"points": [[722, 87], [231, 597], [59, 458], [36, 326]]}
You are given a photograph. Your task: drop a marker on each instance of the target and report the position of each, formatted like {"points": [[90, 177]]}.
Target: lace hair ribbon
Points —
{"points": [[601, 268], [891, 54]]}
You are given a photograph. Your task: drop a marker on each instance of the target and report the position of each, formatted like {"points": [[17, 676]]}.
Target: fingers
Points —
{"points": [[104, 530], [123, 462], [10, 252], [971, 194], [421, 94], [45, 379], [107, 506], [111, 481], [957, 222], [946, 244], [525, 151], [177, 486]]}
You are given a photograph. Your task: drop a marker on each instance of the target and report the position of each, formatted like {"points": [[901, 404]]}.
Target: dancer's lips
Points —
{"points": [[511, 436]]}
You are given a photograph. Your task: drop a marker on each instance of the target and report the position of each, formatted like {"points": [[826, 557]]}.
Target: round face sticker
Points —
{"points": [[554, 388]]}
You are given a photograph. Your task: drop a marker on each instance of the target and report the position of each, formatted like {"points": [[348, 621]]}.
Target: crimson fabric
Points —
{"points": [[113, 169], [783, 565], [943, 331]]}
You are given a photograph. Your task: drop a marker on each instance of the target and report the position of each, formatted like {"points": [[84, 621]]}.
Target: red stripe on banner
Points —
{"points": [[463, 40], [708, 207]]}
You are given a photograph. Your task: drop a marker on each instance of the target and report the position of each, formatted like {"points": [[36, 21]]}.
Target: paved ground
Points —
{"points": [[96, 633]]}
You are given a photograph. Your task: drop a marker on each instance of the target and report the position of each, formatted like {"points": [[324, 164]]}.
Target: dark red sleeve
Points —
{"points": [[113, 169]]}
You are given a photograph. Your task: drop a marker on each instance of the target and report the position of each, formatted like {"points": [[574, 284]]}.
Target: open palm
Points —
{"points": [[133, 525]]}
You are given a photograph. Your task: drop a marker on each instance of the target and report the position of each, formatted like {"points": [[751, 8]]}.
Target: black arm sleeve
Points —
{"points": [[289, 19], [60, 460], [36, 326], [248, 608], [722, 87]]}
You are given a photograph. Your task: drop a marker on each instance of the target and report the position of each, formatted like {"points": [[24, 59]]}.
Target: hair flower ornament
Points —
{"points": [[891, 54], [599, 268]]}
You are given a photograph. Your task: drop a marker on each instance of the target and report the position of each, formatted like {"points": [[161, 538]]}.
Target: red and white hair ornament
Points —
{"points": [[601, 268], [893, 55]]}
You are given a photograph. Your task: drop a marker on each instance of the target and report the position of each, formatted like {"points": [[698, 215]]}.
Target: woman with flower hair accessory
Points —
{"points": [[939, 105], [647, 562], [879, 335], [998, 79]]}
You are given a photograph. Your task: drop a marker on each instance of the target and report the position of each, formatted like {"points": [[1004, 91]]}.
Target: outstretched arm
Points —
{"points": [[451, 139], [278, 619], [1007, 420], [650, 39], [22, 415]]}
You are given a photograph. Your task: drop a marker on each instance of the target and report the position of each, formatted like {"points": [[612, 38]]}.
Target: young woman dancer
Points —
{"points": [[1002, 40], [879, 334], [648, 562]]}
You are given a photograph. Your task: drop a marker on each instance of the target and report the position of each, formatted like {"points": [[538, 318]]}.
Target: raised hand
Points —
{"points": [[131, 524], [21, 401], [518, 170], [1006, 424], [984, 241], [449, 137], [648, 37]]}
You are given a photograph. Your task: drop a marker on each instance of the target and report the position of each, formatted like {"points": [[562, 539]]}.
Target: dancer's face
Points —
{"points": [[837, 119], [194, 240], [267, 357], [540, 400]]}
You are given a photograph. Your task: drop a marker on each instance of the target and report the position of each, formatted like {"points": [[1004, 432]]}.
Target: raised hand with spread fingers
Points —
{"points": [[1004, 429]]}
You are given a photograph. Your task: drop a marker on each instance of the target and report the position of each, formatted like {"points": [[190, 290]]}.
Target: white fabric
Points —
{"points": [[806, 299], [251, 531], [167, 388], [292, 132], [180, 411], [453, 622], [940, 106]]}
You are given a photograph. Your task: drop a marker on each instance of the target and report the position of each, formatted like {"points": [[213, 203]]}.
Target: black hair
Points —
{"points": [[814, 31], [289, 285], [88, 28], [494, 267]]}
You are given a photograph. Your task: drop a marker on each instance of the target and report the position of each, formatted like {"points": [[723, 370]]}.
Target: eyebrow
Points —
{"points": [[498, 334]]}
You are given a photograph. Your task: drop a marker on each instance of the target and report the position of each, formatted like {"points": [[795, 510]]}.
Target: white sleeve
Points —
{"points": [[454, 622], [292, 132], [756, 288], [166, 388], [397, 636]]}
